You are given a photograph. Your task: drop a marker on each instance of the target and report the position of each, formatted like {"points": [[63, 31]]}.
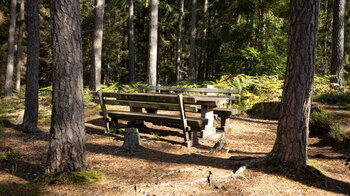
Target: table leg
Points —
{"points": [[208, 113], [136, 122]]}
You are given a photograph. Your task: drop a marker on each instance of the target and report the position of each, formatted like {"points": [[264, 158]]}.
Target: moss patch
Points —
{"points": [[83, 177]]}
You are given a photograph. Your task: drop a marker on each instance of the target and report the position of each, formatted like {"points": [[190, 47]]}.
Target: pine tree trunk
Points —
{"points": [[96, 58], [10, 50], [178, 42], [131, 43], [153, 43], [293, 126], [202, 66], [67, 133], [192, 64], [30, 120], [337, 67], [19, 47]]}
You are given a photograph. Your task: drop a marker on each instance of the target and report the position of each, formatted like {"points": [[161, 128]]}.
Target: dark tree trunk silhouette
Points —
{"points": [[178, 42], [337, 66], [153, 43], [201, 71], [293, 125], [131, 42], [96, 58], [19, 47], [193, 30], [11, 50], [30, 120], [67, 133]]}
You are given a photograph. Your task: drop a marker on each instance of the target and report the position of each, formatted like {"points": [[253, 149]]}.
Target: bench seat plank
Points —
{"points": [[150, 117]]}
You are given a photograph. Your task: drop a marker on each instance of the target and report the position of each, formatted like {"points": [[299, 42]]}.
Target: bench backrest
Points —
{"points": [[150, 101], [194, 90]]}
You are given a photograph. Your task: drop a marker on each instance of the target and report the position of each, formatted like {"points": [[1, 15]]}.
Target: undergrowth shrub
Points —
{"points": [[322, 124], [335, 98]]}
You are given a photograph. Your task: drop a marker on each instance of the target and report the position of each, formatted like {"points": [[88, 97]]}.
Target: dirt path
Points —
{"points": [[166, 167]]}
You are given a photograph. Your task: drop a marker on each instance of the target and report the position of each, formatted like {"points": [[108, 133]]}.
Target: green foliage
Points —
{"points": [[320, 123], [337, 133], [9, 155], [335, 97], [82, 177]]}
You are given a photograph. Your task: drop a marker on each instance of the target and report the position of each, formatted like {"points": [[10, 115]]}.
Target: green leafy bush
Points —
{"points": [[337, 133], [335, 98], [320, 123]]}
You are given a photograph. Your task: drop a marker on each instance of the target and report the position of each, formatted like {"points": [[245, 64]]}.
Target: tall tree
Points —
{"points": [[19, 47], [293, 126], [96, 60], [30, 120], [153, 43], [337, 65], [67, 133], [193, 30], [10, 50], [201, 70], [131, 42], [178, 42]]}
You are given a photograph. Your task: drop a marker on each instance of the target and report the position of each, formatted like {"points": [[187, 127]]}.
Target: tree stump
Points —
{"points": [[132, 139]]}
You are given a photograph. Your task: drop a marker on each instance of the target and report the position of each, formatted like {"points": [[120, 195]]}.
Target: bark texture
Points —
{"points": [[96, 60], [178, 42], [30, 120], [11, 50], [67, 133], [153, 43], [193, 30], [201, 70], [293, 126], [337, 67], [19, 47], [131, 42]]}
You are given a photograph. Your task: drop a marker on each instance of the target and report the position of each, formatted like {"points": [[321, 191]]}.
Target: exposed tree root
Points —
{"points": [[140, 188]]}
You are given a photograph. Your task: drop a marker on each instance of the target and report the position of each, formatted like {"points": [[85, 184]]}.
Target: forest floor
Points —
{"points": [[164, 166]]}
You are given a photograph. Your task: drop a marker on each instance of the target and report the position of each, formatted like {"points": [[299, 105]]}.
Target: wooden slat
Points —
{"points": [[199, 90], [149, 97], [151, 105], [150, 117]]}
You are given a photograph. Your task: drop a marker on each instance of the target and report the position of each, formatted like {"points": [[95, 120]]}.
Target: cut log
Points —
{"points": [[132, 139]]}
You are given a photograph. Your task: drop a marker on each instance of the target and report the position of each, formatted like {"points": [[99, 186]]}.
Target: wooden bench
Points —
{"points": [[138, 101], [210, 91]]}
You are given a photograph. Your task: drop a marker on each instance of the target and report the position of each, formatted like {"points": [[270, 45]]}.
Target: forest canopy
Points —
{"points": [[243, 37]]}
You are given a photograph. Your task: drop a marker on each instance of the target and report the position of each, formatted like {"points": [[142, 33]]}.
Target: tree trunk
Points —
{"points": [[293, 126], [96, 58], [19, 48], [30, 120], [337, 67], [202, 66], [10, 50], [178, 42], [131, 43], [192, 64], [67, 133], [132, 140], [153, 45]]}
